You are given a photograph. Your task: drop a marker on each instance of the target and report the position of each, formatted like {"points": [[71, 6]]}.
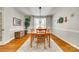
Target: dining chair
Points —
{"points": [[41, 36]]}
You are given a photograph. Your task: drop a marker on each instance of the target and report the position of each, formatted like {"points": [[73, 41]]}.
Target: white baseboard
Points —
{"points": [[71, 44], [3, 43], [67, 42]]}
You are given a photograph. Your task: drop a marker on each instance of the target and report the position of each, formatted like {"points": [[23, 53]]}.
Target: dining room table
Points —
{"points": [[33, 34]]}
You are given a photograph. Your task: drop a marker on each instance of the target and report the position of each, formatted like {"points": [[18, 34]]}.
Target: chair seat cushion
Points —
{"points": [[40, 41]]}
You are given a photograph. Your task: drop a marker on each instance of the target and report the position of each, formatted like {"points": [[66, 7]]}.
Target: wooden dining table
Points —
{"points": [[34, 34]]}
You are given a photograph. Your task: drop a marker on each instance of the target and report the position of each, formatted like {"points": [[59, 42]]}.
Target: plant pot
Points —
{"points": [[26, 31]]}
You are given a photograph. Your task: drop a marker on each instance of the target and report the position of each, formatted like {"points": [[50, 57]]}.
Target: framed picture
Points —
{"points": [[16, 21]]}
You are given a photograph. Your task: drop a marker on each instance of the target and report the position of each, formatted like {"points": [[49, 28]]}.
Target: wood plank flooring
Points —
{"points": [[64, 45], [13, 45]]}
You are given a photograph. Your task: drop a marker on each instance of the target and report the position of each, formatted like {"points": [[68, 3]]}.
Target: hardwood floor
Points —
{"points": [[13, 45], [64, 45]]}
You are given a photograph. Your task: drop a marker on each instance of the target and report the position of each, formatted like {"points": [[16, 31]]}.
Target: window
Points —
{"points": [[39, 22]]}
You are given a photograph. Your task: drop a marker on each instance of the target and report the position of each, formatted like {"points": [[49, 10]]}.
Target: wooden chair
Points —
{"points": [[41, 36]]}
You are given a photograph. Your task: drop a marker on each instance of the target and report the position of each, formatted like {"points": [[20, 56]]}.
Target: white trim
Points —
{"points": [[70, 43], [66, 40], [70, 30], [3, 43]]}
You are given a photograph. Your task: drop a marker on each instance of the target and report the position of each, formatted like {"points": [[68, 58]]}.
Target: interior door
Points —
{"points": [[0, 26]]}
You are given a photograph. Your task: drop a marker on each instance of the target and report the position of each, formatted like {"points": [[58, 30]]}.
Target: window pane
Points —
{"points": [[39, 22]]}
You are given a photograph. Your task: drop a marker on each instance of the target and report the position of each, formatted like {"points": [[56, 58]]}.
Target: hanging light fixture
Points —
{"points": [[40, 17]]}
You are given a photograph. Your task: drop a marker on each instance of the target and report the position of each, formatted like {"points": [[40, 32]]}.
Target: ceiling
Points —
{"points": [[35, 11]]}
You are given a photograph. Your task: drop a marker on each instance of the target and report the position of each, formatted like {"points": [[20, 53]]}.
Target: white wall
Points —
{"points": [[9, 29], [68, 31], [0, 24]]}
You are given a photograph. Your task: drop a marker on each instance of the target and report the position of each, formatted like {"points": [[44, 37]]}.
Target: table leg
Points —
{"points": [[44, 43], [31, 41], [37, 42], [49, 40]]}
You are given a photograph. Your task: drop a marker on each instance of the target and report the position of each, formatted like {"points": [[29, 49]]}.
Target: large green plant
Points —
{"points": [[27, 22]]}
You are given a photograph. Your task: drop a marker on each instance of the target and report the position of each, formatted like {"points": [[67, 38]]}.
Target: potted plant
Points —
{"points": [[27, 23]]}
